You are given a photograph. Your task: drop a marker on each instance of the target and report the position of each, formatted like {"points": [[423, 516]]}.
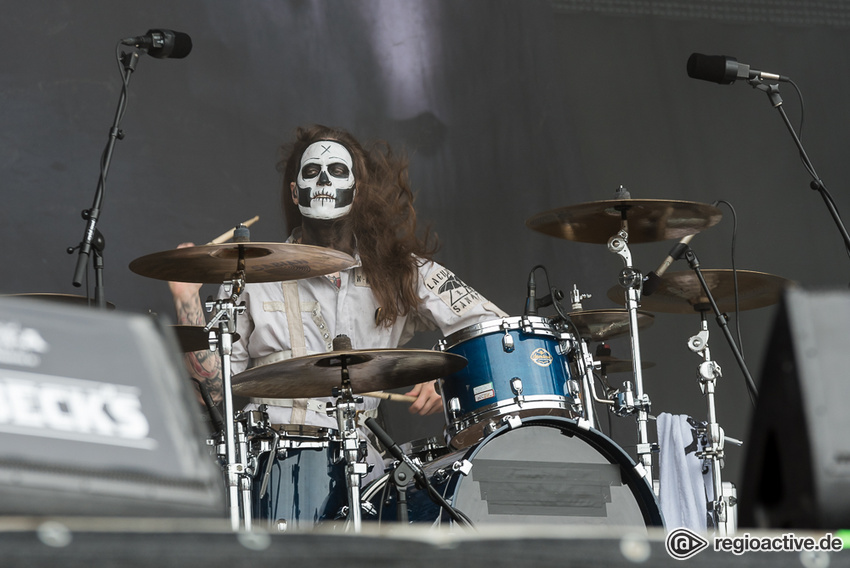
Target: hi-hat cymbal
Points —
{"points": [[649, 220], [62, 299], [369, 370], [614, 365], [264, 262], [681, 293], [599, 325]]}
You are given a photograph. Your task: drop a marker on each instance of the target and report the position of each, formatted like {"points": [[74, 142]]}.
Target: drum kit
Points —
{"points": [[521, 442]]}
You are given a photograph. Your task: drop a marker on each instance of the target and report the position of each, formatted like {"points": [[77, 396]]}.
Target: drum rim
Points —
{"points": [[496, 325], [503, 408]]}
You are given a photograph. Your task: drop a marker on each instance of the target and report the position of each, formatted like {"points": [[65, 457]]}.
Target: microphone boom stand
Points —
{"points": [[772, 92], [92, 238], [721, 319]]}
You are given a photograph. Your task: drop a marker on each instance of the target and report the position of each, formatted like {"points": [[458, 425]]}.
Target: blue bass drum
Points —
{"points": [[518, 366], [553, 471]]}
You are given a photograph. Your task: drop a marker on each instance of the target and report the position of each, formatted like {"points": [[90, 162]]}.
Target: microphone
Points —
{"points": [[162, 44], [725, 70], [531, 301], [394, 450], [653, 279]]}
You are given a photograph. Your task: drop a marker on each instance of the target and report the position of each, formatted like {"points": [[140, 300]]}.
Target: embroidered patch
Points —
{"points": [[483, 392], [360, 278], [452, 290], [541, 357]]}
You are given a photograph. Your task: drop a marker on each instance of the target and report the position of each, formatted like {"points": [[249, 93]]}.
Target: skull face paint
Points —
{"points": [[325, 182]]}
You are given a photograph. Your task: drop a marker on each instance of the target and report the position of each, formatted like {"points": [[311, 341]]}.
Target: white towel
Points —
{"points": [[682, 489]]}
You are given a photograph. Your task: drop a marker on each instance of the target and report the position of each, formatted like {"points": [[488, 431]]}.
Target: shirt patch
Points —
{"points": [[273, 306], [452, 290], [360, 278]]}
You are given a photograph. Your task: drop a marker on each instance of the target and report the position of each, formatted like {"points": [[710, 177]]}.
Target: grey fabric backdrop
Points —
{"points": [[506, 108]]}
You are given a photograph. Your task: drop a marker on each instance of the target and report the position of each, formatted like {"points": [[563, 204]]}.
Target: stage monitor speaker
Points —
{"points": [[98, 417], [797, 471]]}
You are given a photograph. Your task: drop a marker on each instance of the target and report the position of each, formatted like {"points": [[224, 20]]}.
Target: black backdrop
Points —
{"points": [[506, 109]]}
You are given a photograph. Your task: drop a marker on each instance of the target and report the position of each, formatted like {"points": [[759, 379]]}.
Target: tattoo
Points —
{"points": [[203, 365]]}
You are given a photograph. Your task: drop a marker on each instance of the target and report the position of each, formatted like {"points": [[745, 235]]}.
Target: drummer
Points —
{"points": [[339, 195]]}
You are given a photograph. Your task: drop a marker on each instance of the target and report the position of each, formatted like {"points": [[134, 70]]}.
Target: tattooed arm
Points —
{"points": [[203, 365]]}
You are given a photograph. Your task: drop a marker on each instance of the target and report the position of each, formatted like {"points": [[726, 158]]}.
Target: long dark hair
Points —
{"points": [[383, 218]]}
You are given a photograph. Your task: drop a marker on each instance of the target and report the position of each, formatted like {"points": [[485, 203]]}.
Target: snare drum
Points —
{"points": [[546, 470], [425, 449], [306, 482], [517, 366]]}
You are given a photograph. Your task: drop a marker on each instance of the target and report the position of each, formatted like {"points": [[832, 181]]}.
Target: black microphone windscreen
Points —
{"points": [[182, 45], [177, 45], [720, 69]]}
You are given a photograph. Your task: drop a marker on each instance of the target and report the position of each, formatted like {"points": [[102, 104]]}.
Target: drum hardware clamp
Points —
{"points": [[507, 340], [516, 388]]}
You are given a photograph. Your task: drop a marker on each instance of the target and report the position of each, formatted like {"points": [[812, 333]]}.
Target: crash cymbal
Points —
{"points": [[614, 365], [681, 293], [369, 370], [264, 262], [599, 325], [194, 338], [62, 299], [649, 220]]}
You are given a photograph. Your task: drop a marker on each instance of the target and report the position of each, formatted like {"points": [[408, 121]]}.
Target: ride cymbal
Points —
{"points": [[264, 262], [681, 293], [649, 220], [599, 325], [369, 370]]}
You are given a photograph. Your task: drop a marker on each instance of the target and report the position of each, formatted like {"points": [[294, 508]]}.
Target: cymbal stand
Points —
{"points": [[237, 479], [353, 448], [631, 280], [584, 364], [712, 434]]}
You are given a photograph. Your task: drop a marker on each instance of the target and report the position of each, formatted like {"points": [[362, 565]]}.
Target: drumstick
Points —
{"points": [[229, 234], [390, 396]]}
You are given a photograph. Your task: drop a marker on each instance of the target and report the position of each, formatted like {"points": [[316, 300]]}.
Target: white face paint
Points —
{"points": [[325, 182]]}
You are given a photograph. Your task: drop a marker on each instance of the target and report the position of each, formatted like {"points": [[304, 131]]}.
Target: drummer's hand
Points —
{"points": [[184, 291], [428, 401]]}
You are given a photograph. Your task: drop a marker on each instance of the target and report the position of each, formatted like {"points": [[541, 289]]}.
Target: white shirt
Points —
{"points": [[447, 304]]}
